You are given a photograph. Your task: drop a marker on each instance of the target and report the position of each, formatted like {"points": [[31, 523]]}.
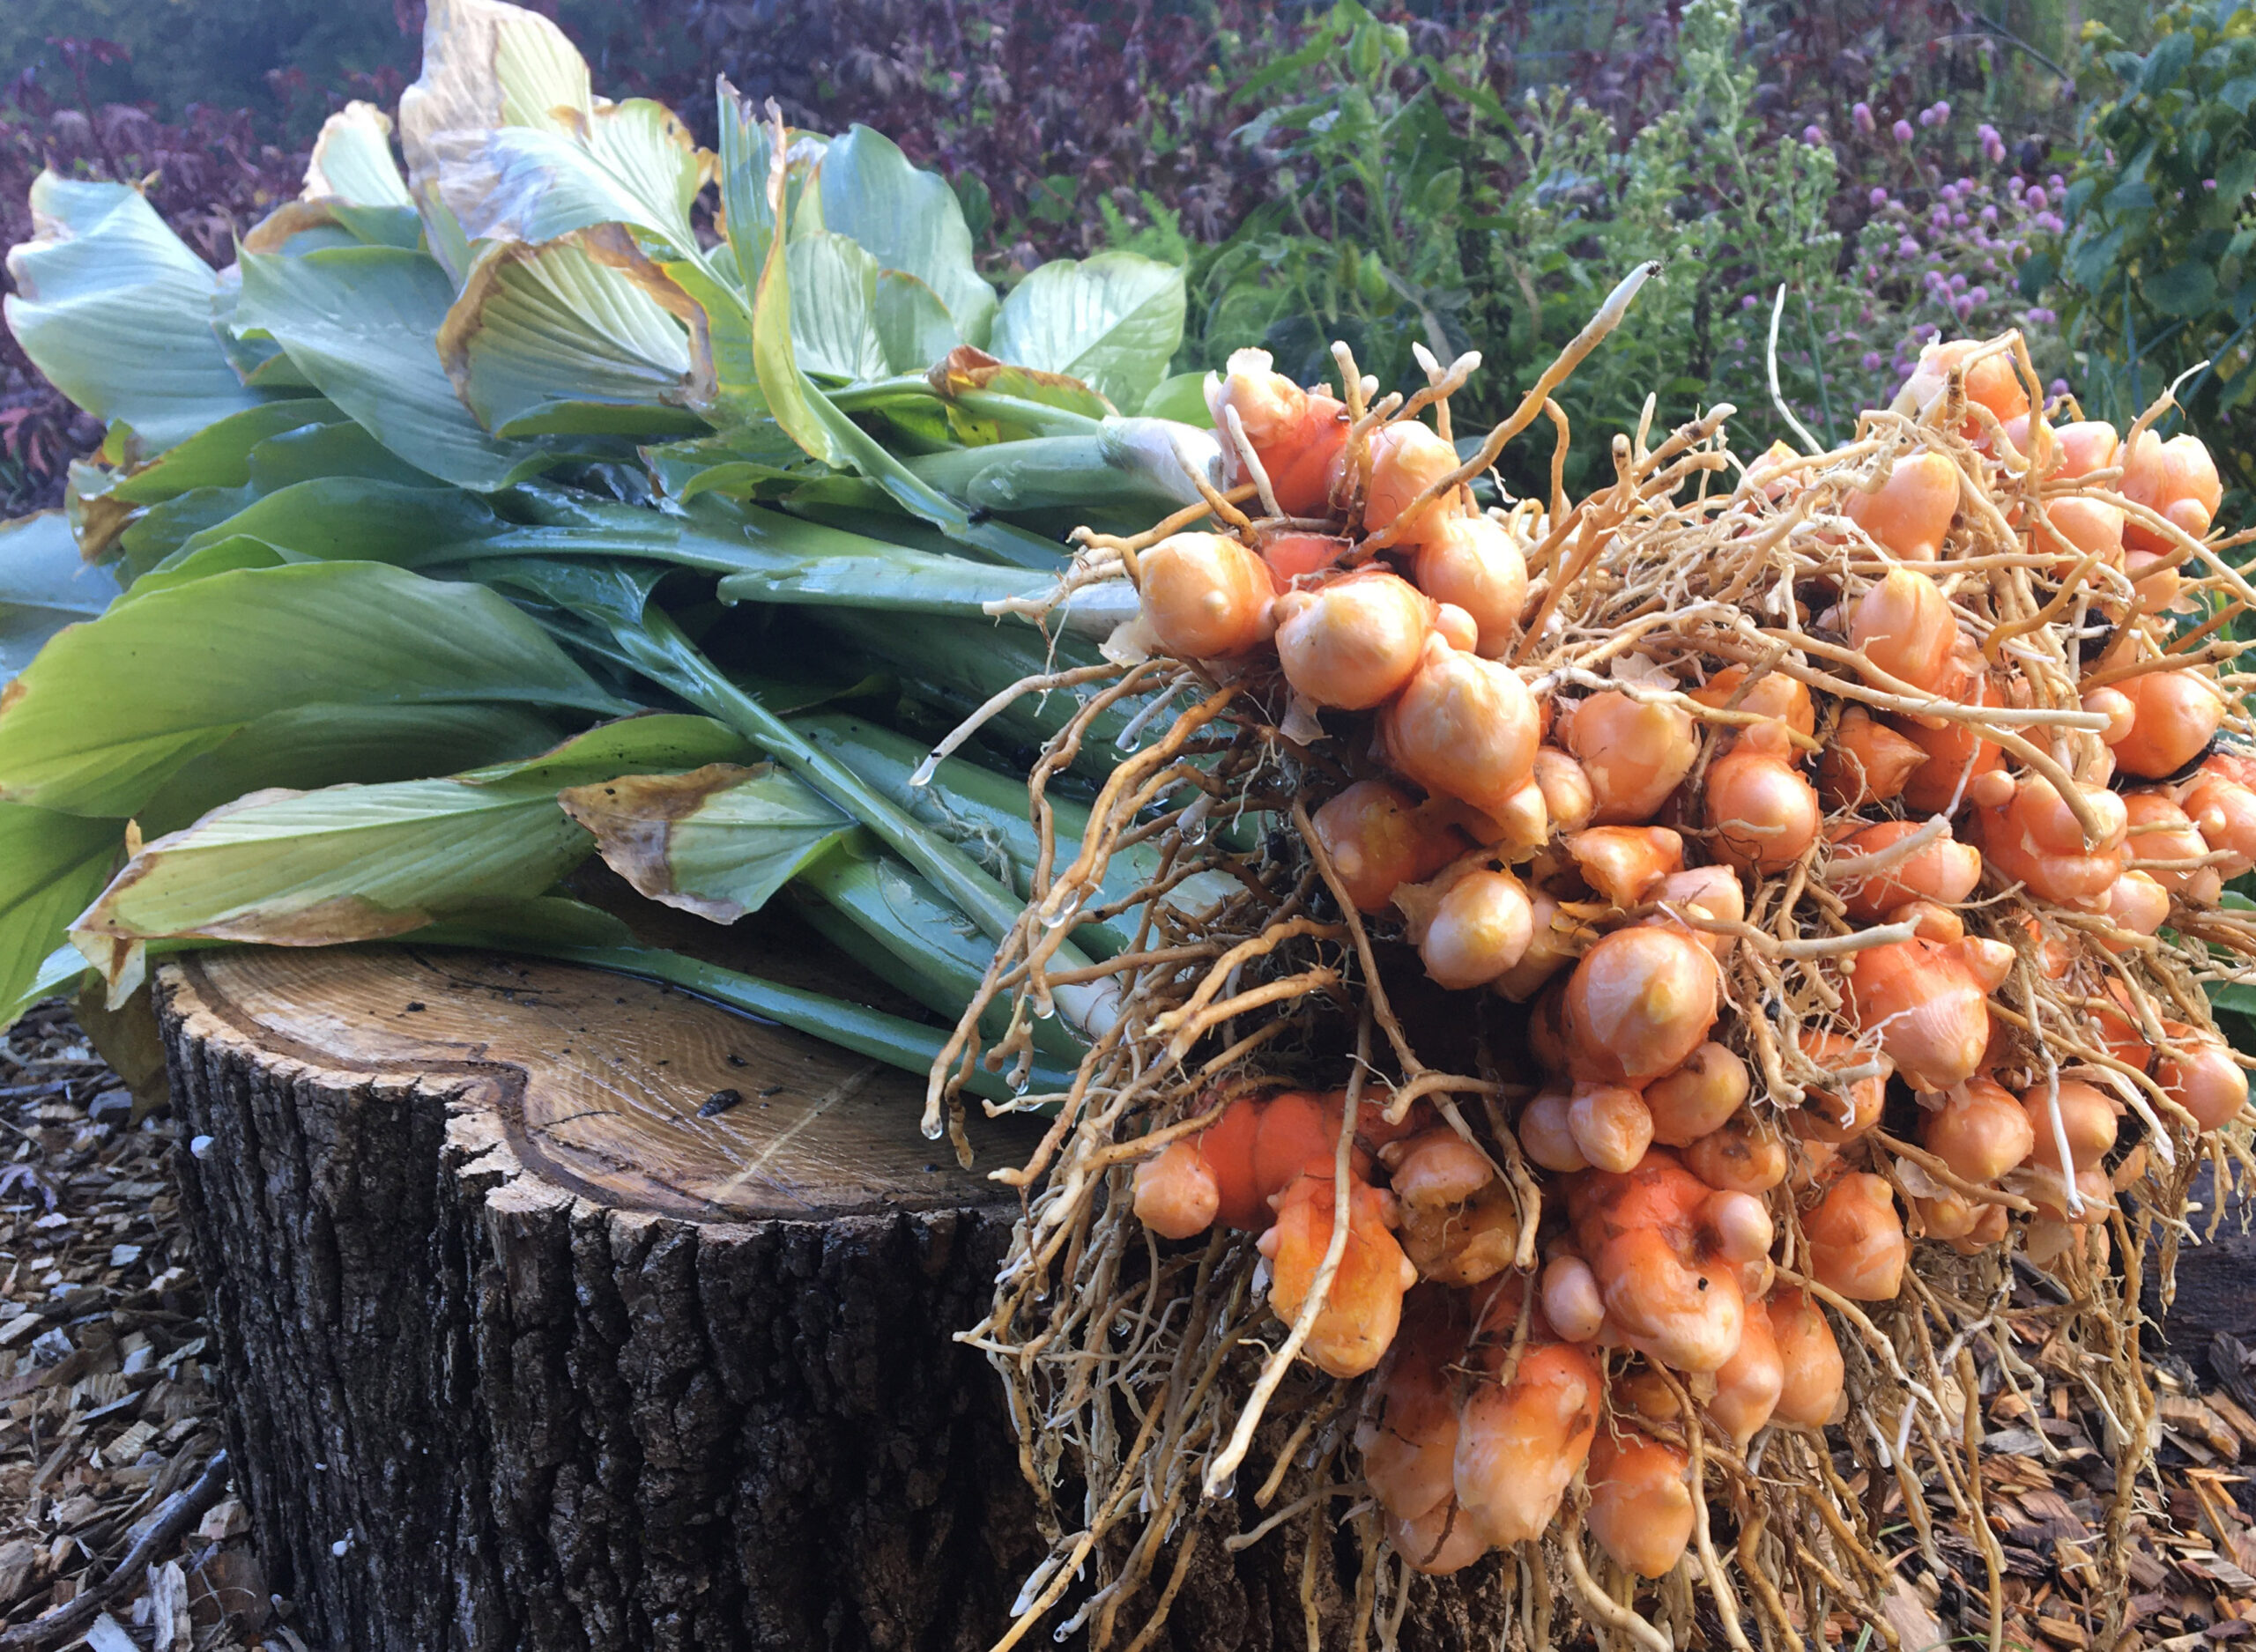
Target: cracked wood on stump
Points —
{"points": [[523, 1353]]}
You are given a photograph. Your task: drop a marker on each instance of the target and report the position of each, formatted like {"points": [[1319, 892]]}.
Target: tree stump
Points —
{"points": [[534, 1338]]}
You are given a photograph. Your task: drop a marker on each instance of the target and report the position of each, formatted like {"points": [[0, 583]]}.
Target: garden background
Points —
{"points": [[1476, 175]]}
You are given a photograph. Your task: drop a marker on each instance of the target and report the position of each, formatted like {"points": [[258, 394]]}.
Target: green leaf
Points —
{"points": [[1182, 398], [51, 865], [345, 518], [716, 842], [2166, 63], [537, 329], [45, 585], [914, 328], [2186, 289], [1112, 322], [834, 308], [351, 159], [115, 311], [907, 220], [217, 455], [362, 325], [111, 709], [2237, 93]]}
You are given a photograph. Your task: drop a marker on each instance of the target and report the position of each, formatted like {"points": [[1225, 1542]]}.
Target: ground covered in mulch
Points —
{"points": [[108, 1420], [110, 1424]]}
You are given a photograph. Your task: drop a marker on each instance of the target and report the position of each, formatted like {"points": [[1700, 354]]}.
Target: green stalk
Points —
{"points": [[1128, 462]]}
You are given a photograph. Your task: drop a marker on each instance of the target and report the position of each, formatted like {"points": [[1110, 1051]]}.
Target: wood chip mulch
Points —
{"points": [[108, 1419]]}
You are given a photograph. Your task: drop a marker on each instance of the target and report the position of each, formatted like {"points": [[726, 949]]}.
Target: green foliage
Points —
{"points": [[1440, 216], [2156, 272]]}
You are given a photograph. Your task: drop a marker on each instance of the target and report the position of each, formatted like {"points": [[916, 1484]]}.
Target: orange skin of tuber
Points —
{"points": [[1928, 1001], [1466, 1243], [1364, 1305], [1306, 557], [2031, 836], [1699, 1098], [1762, 814], [1909, 513], [1742, 1156], [1407, 1434], [1378, 839], [1205, 597], [1904, 626], [1621, 863], [1640, 1501], [1545, 1134], [1355, 641], [1955, 758], [2087, 1116], [1472, 562], [1670, 1284], [1990, 382], [2200, 1076], [1520, 1444], [1635, 754], [2223, 810], [1828, 1116], [1866, 761], [1748, 1385], [1475, 930], [2159, 830], [1856, 1243], [1945, 872], [1981, 1131], [1568, 798], [1300, 438], [1713, 892], [1408, 458], [1638, 1005], [1775, 694], [1808, 1356], [1572, 1303], [1610, 1125], [2176, 479], [1247, 1157], [2174, 715], [1464, 726]]}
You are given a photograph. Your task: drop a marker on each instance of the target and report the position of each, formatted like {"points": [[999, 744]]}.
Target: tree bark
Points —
{"points": [[534, 1341]]}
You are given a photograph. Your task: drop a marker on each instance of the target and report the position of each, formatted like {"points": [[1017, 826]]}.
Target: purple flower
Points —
{"points": [[2051, 223], [2208, 184], [2058, 386], [2041, 318], [1926, 117], [1812, 134], [1871, 361], [1979, 295], [1985, 131], [2056, 182], [1748, 303], [1940, 217], [1989, 216], [2015, 186], [1942, 111], [1962, 307], [1958, 284], [2035, 200], [1949, 193], [1993, 150], [1879, 198], [1960, 220], [1907, 248], [1861, 115], [1902, 131]]}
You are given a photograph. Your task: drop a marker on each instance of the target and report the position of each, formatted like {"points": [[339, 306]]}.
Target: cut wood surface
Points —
{"points": [[534, 1338]]}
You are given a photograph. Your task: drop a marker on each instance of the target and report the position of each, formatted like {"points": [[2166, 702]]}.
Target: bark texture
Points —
{"points": [[524, 1354]]}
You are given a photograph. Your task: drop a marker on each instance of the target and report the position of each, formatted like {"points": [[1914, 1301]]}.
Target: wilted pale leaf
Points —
{"points": [[362, 325], [718, 841], [486, 65], [548, 328], [1112, 322], [351, 159], [111, 709], [361, 863], [631, 163], [116, 311]]}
